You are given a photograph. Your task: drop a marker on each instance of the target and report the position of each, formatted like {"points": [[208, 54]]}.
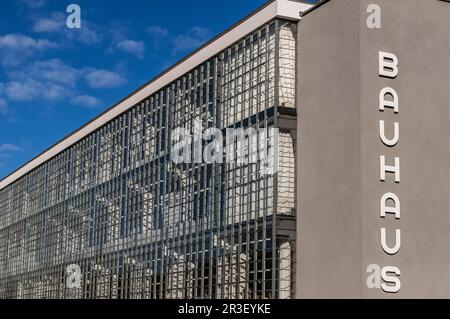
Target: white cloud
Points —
{"points": [[53, 80], [192, 39], [104, 79], [157, 31], [21, 92], [32, 89], [158, 35], [23, 42], [46, 80], [55, 23], [54, 70], [8, 148], [3, 106], [86, 35], [34, 4], [15, 48], [132, 47], [7, 151], [86, 101]]}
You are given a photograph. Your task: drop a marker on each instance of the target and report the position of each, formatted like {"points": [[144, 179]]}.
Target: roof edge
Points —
{"points": [[272, 9], [313, 8]]}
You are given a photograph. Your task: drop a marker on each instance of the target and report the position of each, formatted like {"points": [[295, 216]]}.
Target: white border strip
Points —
{"points": [[279, 8]]}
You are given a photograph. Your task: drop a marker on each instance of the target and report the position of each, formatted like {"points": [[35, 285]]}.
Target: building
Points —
{"points": [[349, 100], [108, 203], [373, 132]]}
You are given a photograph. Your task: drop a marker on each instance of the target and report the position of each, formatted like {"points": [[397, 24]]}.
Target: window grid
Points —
{"points": [[140, 226]]}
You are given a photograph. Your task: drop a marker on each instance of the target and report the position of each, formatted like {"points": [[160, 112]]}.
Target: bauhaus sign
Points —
{"points": [[388, 277]]}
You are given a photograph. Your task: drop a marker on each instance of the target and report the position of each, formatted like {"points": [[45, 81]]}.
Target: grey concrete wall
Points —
{"points": [[328, 183], [339, 148]]}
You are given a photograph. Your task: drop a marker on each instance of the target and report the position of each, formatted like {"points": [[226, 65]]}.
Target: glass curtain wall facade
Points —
{"points": [[115, 207]]}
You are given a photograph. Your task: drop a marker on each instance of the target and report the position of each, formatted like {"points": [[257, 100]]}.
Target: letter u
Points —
{"points": [[384, 245], [390, 141]]}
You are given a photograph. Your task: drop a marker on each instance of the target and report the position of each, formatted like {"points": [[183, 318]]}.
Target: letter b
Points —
{"points": [[388, 65]]}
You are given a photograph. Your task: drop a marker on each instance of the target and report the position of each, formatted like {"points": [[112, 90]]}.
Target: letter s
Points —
{"points": [[394, 281]]}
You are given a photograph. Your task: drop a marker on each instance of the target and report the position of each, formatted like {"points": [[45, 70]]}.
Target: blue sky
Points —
{"points": [[54, 79]]}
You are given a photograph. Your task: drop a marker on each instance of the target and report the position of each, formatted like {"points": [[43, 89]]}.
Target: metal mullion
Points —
{"points": [[228, 171], [207, 200], [168, 180], [126, 200], [220, 70], [201, 217], [178, 200], [137, 142], [275, 177], [69, 219], [229, 213], [248, 61], [177, 106], [117, 180], [267, 98], [192, 276], [184, 213], [145, 204], [93, 212], [212, 202], [152, 183], [158, 197], [99, 256], [236, 219], [196, 180], [132, 205], [152, 177], [164, 236], [162, 195], [239, 245], [133, 202], [170, 106]]}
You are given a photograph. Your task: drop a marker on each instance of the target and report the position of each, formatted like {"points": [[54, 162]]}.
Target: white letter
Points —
{"points": [[388, 65], [268, 140], [198, 141], [398, 242], [386, 103], [245, 139], [374, 279], [374, 19], [390, 279], [390, 169], [393, 141], [74, 19], [181, 146], [74, 278], [391, 210], [213, 152]]}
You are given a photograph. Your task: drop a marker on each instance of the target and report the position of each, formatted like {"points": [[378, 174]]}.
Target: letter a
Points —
{"points": [[387, 209], [386, 103], [374, 279], [374, 19], [74, 19]]}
